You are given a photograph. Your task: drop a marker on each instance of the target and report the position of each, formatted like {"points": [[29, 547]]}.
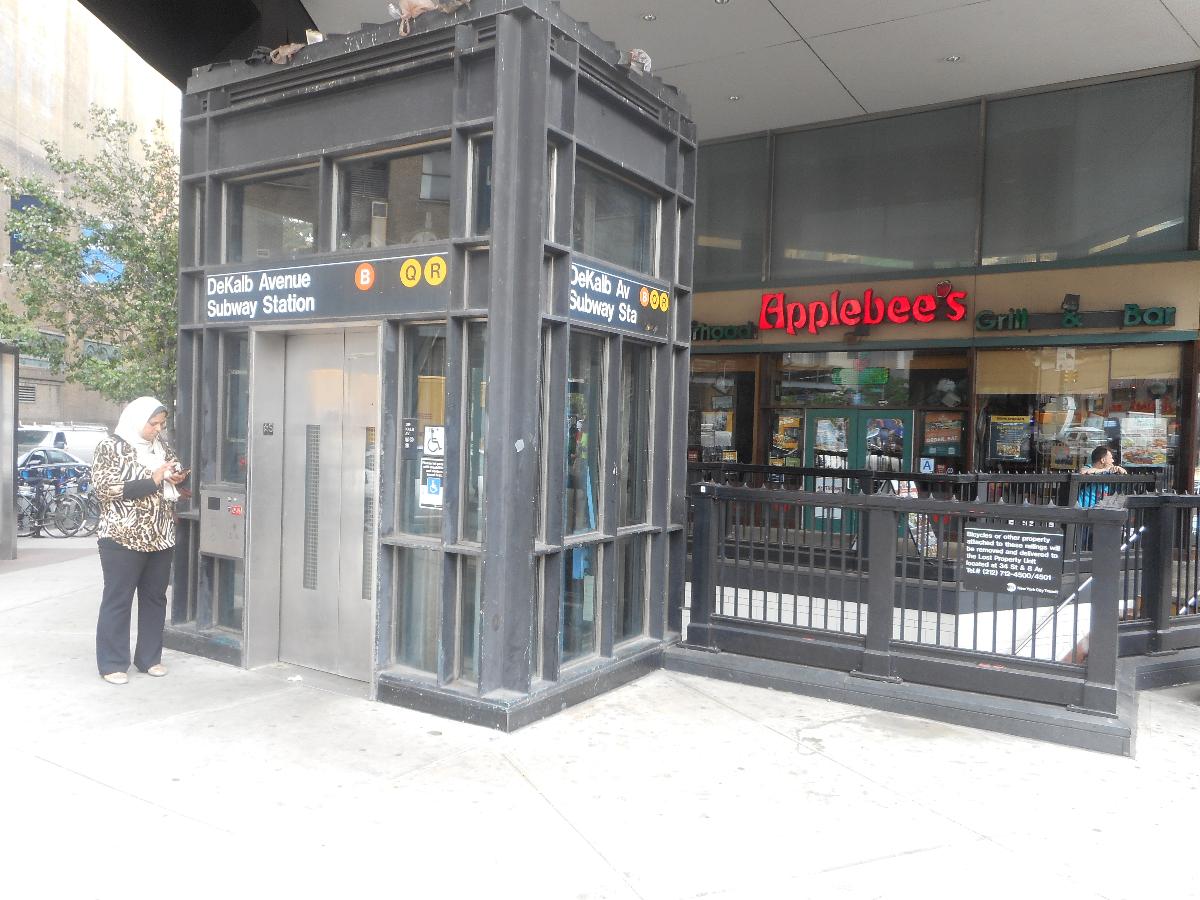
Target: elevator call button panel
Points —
{"points": [[222, 522]]}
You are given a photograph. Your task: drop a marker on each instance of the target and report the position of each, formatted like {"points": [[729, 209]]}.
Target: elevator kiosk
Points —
{"points": [[435, 307]]}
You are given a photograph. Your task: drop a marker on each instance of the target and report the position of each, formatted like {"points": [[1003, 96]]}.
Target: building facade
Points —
{"points": [[57, 60], [998, 285]]}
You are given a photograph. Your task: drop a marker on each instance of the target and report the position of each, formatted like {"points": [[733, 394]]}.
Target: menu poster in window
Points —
{"points": [[1061, 456], [943, 434], [1009, 438], [786, 439], [1143, 440]]}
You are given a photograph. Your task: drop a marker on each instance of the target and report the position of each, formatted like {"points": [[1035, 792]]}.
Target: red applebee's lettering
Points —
{"points": [[850, 312]]}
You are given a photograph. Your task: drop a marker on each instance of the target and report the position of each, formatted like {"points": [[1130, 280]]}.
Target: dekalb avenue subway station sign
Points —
{"points": [[601, 296], [336, 290], [417, 283]]}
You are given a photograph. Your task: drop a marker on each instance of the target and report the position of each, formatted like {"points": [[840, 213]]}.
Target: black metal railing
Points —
{"points": [[1159, 610], [1160, 600], [1055, 489], [872, 584]]}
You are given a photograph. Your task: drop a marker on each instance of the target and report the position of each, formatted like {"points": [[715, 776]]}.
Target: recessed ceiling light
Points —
{"points": [[954, 58], [720, 2], [649, 17], [735, 97]]}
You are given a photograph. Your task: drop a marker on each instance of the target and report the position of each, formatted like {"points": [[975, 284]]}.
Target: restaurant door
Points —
{"points": [[859, 439], [853, 439]]}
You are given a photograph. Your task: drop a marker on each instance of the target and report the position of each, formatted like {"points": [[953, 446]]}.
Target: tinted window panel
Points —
{"points": [[896, 194], [1088, 172]]}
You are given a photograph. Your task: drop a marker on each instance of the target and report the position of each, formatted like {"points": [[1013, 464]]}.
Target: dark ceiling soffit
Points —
{"points": [[176, 36]]}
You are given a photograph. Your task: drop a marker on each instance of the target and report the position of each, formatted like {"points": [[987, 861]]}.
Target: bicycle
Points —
{"points": [[85, 505], [46, 505]]}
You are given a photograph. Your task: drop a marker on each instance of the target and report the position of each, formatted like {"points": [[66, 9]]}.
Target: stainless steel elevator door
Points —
{"points": [[327, 558]]}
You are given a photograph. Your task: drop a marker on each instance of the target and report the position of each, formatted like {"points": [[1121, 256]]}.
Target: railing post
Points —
{"points": [[881, 595], [1100, 678], [1158, 543], [704, 562], [1072, 488]]}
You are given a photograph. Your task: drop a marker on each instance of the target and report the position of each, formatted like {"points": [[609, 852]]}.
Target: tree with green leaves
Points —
{"points": [[97, 260]]}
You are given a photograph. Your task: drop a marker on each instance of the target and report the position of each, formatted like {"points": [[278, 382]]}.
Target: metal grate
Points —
{"points": [[368, 574], [27, 393], [312, 503]]}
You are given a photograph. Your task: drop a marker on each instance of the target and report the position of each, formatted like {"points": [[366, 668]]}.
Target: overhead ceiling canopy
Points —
{"points": [[794, 62], [176, 36]]}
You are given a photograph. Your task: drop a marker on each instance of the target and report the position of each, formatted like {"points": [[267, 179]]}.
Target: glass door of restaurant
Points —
{"points": [[879, 440]]}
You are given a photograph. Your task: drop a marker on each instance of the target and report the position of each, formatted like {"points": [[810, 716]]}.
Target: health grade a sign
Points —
{"points": [[601, 296]]}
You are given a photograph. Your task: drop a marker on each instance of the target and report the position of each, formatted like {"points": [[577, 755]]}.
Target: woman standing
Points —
{"points": [[134, 475]]}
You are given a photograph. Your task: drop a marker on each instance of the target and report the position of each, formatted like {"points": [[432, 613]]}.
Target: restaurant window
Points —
{"points": [[614, 220], [721, 409], [386, 200], [731, 196], [422, 406], [894, 194], [271, 217], [895, 378], [1089, 172], [932, 382], [1046, 409]]}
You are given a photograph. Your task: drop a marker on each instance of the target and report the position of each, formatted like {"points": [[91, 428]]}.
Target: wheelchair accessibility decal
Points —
{"points": [[433, 468]]}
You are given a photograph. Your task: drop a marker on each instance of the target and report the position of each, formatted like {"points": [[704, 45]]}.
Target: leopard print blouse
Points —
{"points": [[133, 510]]}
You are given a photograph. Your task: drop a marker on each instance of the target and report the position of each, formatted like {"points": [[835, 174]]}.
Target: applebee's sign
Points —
{"points": [[813, 316]]}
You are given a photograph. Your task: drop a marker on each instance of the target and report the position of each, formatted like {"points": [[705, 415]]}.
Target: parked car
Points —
{"points": [[80, 440], [52, 462]]}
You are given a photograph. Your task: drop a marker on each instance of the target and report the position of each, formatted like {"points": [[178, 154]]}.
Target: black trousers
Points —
{"points": [[126, 571]]}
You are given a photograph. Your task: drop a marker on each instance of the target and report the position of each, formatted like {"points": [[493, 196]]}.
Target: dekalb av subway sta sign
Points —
{"points": [[944, 304]]}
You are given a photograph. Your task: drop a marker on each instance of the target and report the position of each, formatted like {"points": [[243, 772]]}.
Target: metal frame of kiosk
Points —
{"points": [[453, 517]]}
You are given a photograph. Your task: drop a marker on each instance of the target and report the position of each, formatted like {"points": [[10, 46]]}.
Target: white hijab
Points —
{"points": [[151, 454]]}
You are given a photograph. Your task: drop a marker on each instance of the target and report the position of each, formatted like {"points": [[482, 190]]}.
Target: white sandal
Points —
{"points": [[158, 670], [116, 678]]}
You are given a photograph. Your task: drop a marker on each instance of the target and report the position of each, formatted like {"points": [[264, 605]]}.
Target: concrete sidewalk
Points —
{"points": [[218, 782]]}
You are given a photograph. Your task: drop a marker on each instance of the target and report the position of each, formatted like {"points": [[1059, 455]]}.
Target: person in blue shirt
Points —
{"points": [[1102, 463]]}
